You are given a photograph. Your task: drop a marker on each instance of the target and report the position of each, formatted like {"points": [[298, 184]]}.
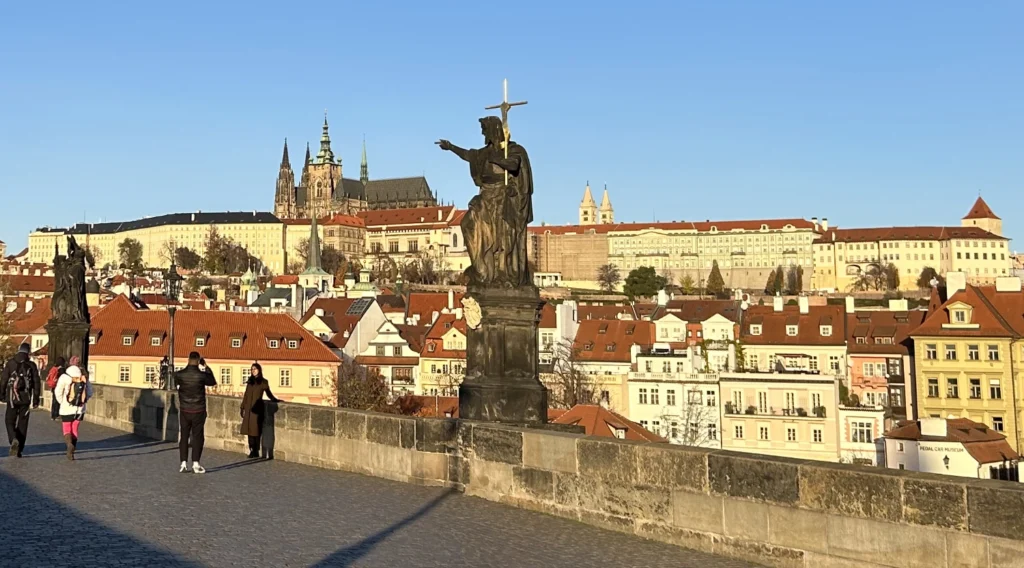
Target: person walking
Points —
{"points": [[73, 391], [253, 409], [20, 388], [191, 383], [56, 371]]}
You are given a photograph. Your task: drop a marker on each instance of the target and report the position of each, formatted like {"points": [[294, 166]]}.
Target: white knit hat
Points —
{"points": [[74, 372]]}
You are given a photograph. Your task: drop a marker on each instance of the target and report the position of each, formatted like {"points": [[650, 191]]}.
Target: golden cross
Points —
{"points": [[505, 106]]}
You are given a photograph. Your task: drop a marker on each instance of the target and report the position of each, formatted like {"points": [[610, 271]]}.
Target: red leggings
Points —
{"points": [[71, 427]]}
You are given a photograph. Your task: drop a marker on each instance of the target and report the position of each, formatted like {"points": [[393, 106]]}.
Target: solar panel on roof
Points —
{"points": [[359, 306]]}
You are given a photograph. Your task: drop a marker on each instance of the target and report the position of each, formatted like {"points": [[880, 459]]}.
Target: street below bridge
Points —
{"points": [[122, 502]]}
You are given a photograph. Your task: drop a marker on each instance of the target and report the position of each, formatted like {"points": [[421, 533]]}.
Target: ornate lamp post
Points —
{"points": [[172, 291]]}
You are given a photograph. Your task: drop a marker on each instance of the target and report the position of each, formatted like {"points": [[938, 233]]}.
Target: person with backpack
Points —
{"points": [[191, 383], [73, 390], [20, 388], [58, 369]]}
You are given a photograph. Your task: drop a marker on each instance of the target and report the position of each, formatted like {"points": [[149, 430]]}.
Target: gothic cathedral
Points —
{"points": [[324, 191]]}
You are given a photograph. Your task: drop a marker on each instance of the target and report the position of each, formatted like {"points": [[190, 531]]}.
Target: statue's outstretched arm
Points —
{"points": [[460, 152]]}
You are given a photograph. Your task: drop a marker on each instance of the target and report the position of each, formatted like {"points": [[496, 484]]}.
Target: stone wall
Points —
{"points": [[772, 511]]}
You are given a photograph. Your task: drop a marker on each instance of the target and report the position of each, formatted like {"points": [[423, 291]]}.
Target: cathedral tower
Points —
{"points": [[588, 208], [364, 170], [324, 178], [284, 198], [607, 213]]}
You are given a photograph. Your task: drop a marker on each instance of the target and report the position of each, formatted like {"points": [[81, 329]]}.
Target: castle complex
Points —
{"points": [[323, 189]]}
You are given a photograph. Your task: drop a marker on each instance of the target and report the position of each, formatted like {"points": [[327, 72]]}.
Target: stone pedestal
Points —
{"points": [[501, 383], [67, 339]]}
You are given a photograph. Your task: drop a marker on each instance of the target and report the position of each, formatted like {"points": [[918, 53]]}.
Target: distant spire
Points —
{"points": [[588, 198], [307, 154], [314, 263], [325, 155], [606, 203], [364, 170], [285, 162]]}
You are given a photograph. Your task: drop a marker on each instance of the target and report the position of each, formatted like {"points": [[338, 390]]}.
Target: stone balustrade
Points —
{"points": [[773, 511]]}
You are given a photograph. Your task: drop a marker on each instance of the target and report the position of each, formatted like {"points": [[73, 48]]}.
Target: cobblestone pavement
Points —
{"points": [[123, 503]]}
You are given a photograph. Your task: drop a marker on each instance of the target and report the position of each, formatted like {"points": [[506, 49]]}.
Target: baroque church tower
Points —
{"points": [[607, 212]]}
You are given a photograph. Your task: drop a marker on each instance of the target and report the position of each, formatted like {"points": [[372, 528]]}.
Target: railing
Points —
{"points": [[687, 377], [797, 412]]}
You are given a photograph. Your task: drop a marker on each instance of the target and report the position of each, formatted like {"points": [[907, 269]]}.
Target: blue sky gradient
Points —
{"points": [[868, 113]]}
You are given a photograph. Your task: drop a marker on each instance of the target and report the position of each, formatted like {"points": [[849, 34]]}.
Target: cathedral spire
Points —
{"points": [[314, 263], [285, 162], [307, 156], [325, 155], [364, 170]]}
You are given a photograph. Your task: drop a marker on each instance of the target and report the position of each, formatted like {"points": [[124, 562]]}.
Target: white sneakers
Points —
{"points": [[196, 468]]}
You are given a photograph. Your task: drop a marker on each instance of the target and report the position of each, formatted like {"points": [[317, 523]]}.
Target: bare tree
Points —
{"points": [[569, 384], [353, 386], [694, 424], [8, 347]]}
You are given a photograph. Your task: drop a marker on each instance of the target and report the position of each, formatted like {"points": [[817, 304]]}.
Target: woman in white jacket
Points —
{"points": [[73, 390]]}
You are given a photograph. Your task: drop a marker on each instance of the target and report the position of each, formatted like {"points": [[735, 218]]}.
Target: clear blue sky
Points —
{"points": [[870, 114]]}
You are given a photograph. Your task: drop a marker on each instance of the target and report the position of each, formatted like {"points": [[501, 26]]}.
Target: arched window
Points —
{"points": [[455, 240]]}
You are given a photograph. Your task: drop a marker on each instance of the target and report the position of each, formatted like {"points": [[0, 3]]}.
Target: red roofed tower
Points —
{"points": [[981, 216]]}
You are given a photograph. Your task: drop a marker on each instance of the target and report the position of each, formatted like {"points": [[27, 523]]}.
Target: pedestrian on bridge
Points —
{"points": [[20, 388], [73, 390], [191, 383], [253, 408]]}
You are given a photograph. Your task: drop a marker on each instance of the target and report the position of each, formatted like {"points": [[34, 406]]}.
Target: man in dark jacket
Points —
{"points": [[191, 383], [20, 388]]}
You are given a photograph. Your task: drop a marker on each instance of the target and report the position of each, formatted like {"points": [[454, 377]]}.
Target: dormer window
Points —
{"points": [[610, 347], [791, 330], [960, 316], [432, 347], [236, 342], [825, 330], [589, 346], [154, 341], [200, 342], [272, 343], [126, 340], [755, 329], [862, 340], [293, 344], [447, 325]]}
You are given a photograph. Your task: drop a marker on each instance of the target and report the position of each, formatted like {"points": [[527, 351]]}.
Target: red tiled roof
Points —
{"points": [[773, 325], [414, 335], [548, 320], [426, 303], [602, 312], [435, 335], [998, 314], [984, 444], [421, 216], [599, 421], [284, 280], [23, 322], [700, 310], [700, 226], [981, 210], [457, 217], [610, 340], [904, 234], [27, 283], [390, 303], [882, 323], [118, 316]]}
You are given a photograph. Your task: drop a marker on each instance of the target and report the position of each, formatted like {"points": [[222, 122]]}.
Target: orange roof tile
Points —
{"points": [[414, 335], [434, 343], [599, 421], [774, 324], [983, 443], [980, 210], [904, 234], [425, 304], [873, 325], [27, 283], [610, 340], [426, 216], [998, 314], [548, 319], [119, 316], [26, 322]]}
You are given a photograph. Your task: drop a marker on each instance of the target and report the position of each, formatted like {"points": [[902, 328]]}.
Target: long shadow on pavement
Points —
{"points": [[34, 521], [348, 555]]}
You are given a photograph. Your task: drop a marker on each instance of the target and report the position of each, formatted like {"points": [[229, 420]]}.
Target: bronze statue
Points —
{"points": [[69, 301], [495, 225]]}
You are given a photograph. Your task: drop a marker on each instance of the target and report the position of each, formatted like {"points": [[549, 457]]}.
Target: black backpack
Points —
{"points": [[20, 386]]}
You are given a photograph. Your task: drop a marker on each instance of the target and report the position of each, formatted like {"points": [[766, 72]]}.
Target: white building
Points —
{"points": [[955, 446], [683, 407], [860, 435], [394, 356]]}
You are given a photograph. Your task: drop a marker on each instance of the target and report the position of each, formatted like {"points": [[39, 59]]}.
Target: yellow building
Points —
{"points": [[976, 248], [780, 414], [404, 235], [969, 353], [261, 233], [126, 346]]}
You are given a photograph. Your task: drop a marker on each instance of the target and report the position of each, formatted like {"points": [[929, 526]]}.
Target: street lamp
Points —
{"points": [[172, 290]]}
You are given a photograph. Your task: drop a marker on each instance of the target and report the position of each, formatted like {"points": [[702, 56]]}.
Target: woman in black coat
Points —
{"points": [[253, 408]]}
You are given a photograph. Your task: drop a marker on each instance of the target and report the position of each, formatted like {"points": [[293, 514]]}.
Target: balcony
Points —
{"points": [[818, 412], [681, 377]]}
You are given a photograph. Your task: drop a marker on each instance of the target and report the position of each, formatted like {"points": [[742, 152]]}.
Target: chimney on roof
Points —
{"points": [[955, 282], [850, 307], [193, 217], [898, 305], [815, 221], [433, 316], [777, 303], [319, 312], [451, 299], [824, 224], [28, 306], [439, 214], [804, 303], [1008, 284], [933, 427], [662, 298]]}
